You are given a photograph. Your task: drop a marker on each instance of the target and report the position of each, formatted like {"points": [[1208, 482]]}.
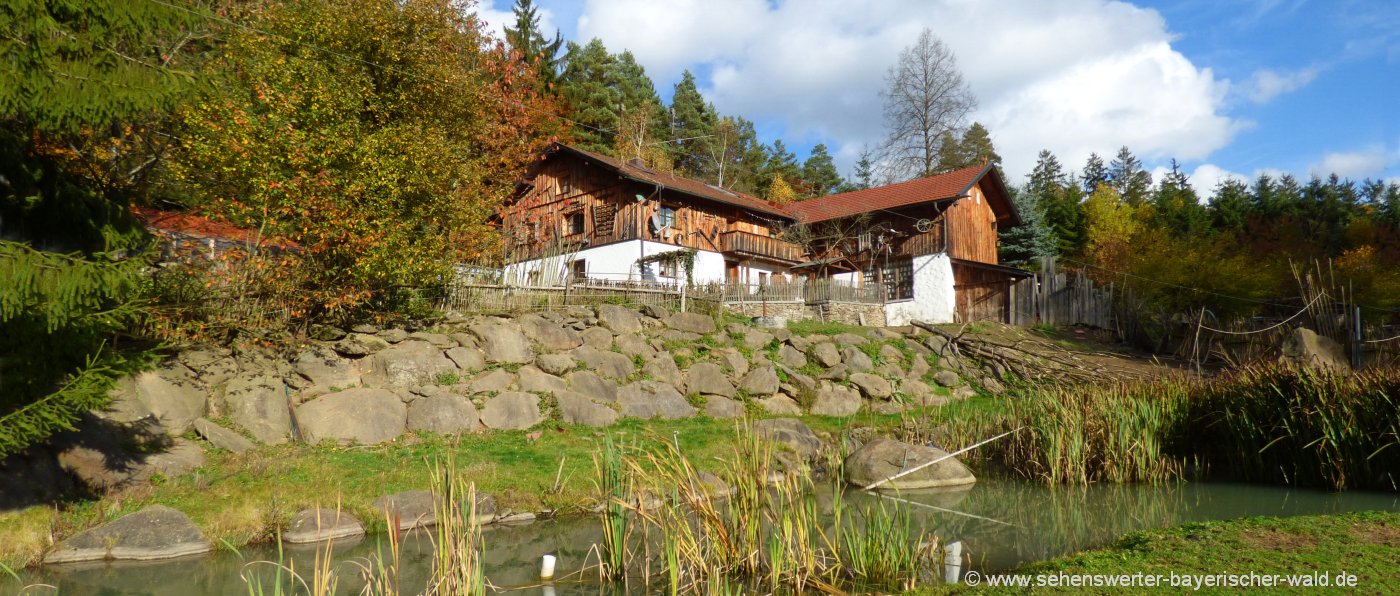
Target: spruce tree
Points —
{"points": [[1021, 245], [534, 48], [819, 172], [84, 84], [586, 84], [1176, 206], [692, 127], [1094, 174], [1128, 177], [782, 164]]}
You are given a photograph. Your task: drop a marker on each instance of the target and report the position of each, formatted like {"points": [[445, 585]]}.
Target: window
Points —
{"points": [[669, 268], [896, 273], [566, 185], [762, 279], [573, 222], [667, 217], [578, 269]]}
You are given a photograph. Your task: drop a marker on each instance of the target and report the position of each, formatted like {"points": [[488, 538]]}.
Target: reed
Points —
{"points": [[772, 533], [457, 546], [1301, 426], [1277, 424]]}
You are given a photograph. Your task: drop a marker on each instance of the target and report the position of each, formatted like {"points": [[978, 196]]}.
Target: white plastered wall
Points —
{"points": [[935, 300], [616, 262]]}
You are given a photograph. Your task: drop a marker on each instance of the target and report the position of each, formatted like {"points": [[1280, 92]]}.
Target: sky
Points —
{"points": [[1225, 87]]}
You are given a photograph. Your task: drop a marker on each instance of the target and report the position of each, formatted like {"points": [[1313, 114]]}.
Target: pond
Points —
{"points": [[1001, 524]]}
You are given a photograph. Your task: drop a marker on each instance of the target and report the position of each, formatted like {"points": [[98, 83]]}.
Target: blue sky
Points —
{"points": [[1228, 87]]}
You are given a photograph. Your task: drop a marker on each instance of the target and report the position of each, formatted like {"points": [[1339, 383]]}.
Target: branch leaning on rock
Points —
{"points": [[1024, 363]]}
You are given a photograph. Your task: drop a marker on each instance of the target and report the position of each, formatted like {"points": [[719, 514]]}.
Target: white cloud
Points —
{"points": [[1266, 84], [1355, 165], [1073, 76]]}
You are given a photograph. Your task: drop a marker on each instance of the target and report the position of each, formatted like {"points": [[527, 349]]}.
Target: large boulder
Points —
{"points": [[619, 319], [1304, 347], [221, 437], [611, 365], [691, 322], [156, 532], [790, 434], [503, 342], [549, 335], [720, 407], [467, 359], [576, 408], [365, 416], [321, 525], [512, 410], [850, 339], [534, 380], [360, 344], [556, 364], [760, 381], [101, 457], [791, 357], [856, 360], [169, 394], [662, 367], [496, 380], [407, 510], [707, 378], [598, 337], [592, 386], [947, 378], [258, 404], [780, 405], [835, 400], [407, 364], [650, 399], [755, 339], [872, 386], [632, 344], [825, 353], [325, 368], [444, 413], [883, 458]]}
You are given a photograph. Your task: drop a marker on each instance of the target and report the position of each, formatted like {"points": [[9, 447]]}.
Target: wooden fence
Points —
{"points": [[1056, 297], [472, 294]]}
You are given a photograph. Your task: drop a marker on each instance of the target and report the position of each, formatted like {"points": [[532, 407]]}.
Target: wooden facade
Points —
{"points": [[585, 200], [573, 200]]}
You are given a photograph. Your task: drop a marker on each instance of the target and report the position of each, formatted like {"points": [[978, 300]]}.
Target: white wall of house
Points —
{"points": [[935, 300], [616, 262]]}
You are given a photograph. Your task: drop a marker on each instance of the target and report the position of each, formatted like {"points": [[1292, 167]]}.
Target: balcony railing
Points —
{"points": [[762, 246]]}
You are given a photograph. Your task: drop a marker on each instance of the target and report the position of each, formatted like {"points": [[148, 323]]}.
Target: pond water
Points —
{"points": [[1015, 523]]}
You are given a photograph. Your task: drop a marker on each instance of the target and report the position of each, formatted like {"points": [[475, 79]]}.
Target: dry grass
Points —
{"points": [[27, 532]]}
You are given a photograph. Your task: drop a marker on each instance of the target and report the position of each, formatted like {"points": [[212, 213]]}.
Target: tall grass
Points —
{"points": [[1276, 424], [771, 534], [1301, 426]]}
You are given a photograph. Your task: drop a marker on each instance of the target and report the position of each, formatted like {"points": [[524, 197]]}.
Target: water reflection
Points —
{"points": [[996, 525]]}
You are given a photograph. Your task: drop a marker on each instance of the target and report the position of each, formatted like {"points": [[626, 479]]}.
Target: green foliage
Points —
{"points": [[58, 313], [974, 148], [819, 172], [609, 94], [530, 43], [1032, 239], [381, 155], [692, 123]]}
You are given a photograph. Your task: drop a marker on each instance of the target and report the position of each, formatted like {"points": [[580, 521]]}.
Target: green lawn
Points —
{"points": [[1366, 545]]}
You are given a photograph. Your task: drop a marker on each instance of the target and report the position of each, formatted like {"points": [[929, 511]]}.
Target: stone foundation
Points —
{"points": [[853, 313]]}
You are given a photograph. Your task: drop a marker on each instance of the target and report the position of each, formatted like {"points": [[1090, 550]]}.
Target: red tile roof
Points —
{"points": [[195, 226], [933, 188], [680, 184]]}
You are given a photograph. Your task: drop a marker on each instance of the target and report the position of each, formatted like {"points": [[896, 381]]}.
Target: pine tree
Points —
{"points": [[863, 174], [819, 173], [1176, 206], [76, 106], [974, 148], [534, 48], [587, 86], [1127, 176], [1229, 205], [781, 164], [1094, 174], [692, 127]]}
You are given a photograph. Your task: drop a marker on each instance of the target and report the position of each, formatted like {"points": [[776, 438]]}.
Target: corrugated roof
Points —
{"points": [[933, 188], [680, 184]]}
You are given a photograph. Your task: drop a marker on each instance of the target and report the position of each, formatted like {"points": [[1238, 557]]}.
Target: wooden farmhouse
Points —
{"points": [[931, 243]]}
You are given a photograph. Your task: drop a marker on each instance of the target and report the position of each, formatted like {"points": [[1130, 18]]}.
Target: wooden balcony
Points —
{"points": [[754, 245]]}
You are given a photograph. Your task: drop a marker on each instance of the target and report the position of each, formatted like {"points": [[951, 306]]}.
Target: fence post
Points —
{"points": [[682, 297], [1357, 338]]}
